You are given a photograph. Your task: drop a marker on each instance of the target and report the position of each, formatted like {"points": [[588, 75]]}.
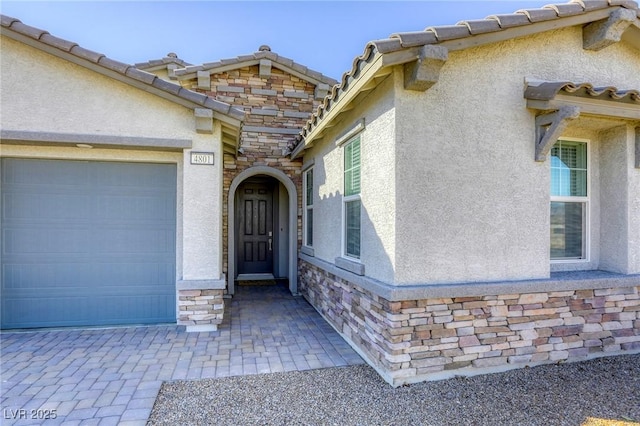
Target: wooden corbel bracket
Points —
{"points": [[549, 128]]}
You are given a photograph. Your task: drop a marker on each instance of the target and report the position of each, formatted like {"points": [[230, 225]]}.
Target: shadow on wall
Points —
{"points": [[329, 232]]}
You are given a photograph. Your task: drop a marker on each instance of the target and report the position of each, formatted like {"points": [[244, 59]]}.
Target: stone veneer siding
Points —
{"points": [[429, 339], [269, 103], [200, 309]]}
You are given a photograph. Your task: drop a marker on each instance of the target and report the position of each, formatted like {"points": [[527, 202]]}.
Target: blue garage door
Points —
{"points": [[87, 243]]}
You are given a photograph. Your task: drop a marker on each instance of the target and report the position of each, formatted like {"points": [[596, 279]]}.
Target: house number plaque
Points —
{"points": [[202, 158]]}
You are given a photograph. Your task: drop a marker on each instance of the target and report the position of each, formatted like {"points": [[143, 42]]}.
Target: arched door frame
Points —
{"points": [[293, 224]]}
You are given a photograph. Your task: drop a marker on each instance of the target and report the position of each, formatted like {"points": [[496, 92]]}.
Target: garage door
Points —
{"points": [[87, 243]]}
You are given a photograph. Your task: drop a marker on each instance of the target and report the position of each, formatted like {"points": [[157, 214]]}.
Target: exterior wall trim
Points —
{"points": [[201, 284], [309, 251], [54, 138], [349, 265], [351, 133], [559, 281], [293, 223], [311, 162]]}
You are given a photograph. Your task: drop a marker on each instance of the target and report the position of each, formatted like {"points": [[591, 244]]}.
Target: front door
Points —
{"points": [[255, 228]]}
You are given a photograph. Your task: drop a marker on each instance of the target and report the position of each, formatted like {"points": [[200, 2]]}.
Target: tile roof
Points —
{"points": [[545, 91], [69, 50], [264, 52], [398, 42], [171, 58]]}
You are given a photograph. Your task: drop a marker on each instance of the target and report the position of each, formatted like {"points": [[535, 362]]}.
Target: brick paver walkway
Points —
{"points": [[112, 376]]}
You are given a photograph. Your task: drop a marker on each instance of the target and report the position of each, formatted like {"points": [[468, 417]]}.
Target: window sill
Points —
{"points": [[349, 265], [309, 251], [572, 265]]}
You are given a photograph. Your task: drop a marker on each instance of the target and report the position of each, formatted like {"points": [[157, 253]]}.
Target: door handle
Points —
{"points": [[270, 249]]}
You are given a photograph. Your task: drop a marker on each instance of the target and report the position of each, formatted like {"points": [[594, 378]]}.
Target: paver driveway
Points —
{"points": [[112, 376]]}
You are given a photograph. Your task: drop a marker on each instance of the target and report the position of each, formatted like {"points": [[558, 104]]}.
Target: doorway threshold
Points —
{"points": [[255, 277]]}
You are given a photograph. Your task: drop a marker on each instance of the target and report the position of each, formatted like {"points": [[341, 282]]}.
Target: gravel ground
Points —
{"points": [[604, 391]]}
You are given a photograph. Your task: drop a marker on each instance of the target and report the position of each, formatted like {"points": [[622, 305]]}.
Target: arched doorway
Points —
{"points": [[261, 190]]}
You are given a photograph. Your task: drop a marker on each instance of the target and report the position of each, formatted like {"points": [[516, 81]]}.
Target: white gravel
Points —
{"points": [[566, 394]]}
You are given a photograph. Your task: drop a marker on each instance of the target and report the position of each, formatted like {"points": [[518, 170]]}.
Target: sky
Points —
{"points": [[323, 35]]}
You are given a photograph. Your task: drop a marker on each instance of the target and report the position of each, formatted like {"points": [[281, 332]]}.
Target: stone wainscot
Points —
{"points": [[414, 340], [201, 304]]}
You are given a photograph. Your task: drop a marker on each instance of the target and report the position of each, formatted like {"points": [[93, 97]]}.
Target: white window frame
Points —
{"points": [[349, 198], [305, 178], [576, 199]]}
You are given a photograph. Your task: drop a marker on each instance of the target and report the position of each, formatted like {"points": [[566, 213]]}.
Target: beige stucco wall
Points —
{"points": [[633, 192], [45, 95], [620, 230], [378, 243], [474, 204], [202, 206]]}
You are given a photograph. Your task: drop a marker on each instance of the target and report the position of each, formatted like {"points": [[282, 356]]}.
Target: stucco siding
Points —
{"points": [[42, 93], [474, 204], [633, 138], [327, 207], [202, 204], [615, 208], [378, 250], [633, 194]]}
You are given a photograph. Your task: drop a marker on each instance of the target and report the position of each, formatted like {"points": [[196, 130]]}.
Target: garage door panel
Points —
{"points": [[59, 173], [81, 311], [132, 240], [73, 277], [86, 240], [31, 240], [25, 279], [140, 208], [87, 243], [46, 207], [133, 310], [44, 312], [135, 273], [121, 174], [73, 289]]}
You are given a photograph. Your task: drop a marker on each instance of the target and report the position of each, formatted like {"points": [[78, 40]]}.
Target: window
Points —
{"points": [[308, 207], [351, 199], [569, 200]]}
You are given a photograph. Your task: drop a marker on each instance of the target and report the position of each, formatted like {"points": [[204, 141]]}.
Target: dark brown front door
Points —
{"points": [[255, 228]]}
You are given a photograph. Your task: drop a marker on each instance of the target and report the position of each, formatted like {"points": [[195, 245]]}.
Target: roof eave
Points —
{"points": [[526, 30], [156, 86], [408, 54], [151, 68], [317, 124], [376, 68], [190, 73]]}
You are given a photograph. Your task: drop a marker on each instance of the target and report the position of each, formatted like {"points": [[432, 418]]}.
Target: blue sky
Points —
{"points": [[323, 35]]}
